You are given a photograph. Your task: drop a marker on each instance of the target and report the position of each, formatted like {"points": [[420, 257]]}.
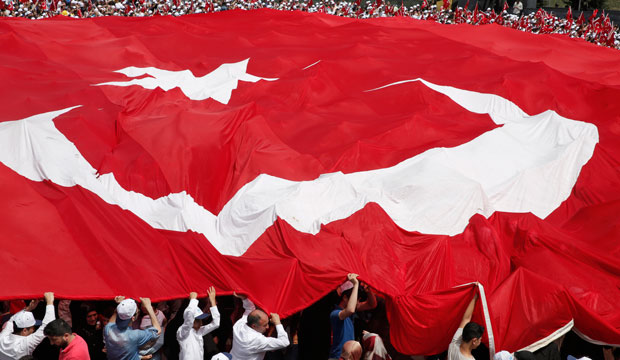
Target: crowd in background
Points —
{"points": [[348, 324], [597, 28]]}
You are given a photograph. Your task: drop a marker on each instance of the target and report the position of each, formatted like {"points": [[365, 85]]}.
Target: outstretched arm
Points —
{"points": [[117, 300], [215, 315], [33, 340], [352, 304], [188, 321], [470, 310], [248, 305], [149, 310]]}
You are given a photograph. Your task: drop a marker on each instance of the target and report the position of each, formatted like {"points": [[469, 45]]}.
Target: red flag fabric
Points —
{"points": [[505, 7], [593, 16], [134, 162], [446, 5], [569, 14], [424, 4], [475, 14], [581, 19]]}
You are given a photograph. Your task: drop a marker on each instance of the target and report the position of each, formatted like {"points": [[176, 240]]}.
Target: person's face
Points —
{"points": [[91, 318], [61, 341], [197, 324], [104, 320], [263, 324]]}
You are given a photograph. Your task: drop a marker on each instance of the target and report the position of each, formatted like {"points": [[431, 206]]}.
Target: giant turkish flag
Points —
{"points": [[271, 153]]}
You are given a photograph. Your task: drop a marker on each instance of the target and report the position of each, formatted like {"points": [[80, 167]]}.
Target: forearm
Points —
{"points": [[351, 305], [270, 344], [154, 320], [370, 303], [248, 306], [469, 311], [214, 324], [282, 336], [35, 338], [188, 322]]}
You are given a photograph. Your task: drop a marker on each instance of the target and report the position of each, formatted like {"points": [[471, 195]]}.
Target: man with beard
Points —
{"points": [[72, 346], [92, 332]]}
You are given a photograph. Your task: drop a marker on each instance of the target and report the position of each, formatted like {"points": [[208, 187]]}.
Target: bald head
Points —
{"points": [[258, 320], [351, 350]]}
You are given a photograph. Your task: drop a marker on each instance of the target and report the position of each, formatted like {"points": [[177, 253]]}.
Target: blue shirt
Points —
{"points": [[342, 331], [124, 344]]}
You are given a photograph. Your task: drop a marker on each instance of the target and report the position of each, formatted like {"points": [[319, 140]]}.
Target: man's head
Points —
{"points": [[259, 321], [126, 312], [59, 333], [196, 315], [91, 317], [472, 334], [351, 350], [24, 323]]}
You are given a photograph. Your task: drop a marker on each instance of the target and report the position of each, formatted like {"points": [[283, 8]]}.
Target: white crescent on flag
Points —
{"points": [[530, 164]]}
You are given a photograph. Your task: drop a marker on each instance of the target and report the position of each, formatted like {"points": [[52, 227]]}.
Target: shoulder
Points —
{"points": [[335, 312], [456, 339], [109, 327]]}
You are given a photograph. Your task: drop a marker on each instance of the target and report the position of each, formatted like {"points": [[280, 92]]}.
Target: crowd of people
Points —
{"points": [[202, 329], [596, 29]]}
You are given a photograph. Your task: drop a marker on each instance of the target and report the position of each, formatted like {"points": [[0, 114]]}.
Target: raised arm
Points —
{"points": [[188, 321], [34, 339], [117, 299], [215, 315], [371, 301], [248, 305], [352, 303], [469, 311], [149, 310]]}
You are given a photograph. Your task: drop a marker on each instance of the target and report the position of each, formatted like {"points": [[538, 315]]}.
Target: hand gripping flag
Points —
{"points": [[271, 153]]}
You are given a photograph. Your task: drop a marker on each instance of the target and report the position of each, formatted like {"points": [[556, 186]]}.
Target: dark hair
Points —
{"points": [[16, 329], [472, 331], [27, 357], [57, 327], [254, 318], [524, 355]]}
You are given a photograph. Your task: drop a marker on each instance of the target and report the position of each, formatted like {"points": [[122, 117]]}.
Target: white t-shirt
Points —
{"points": [[454, 350]]}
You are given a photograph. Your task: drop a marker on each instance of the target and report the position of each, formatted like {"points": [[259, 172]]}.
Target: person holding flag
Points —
{"points": [[19, 337]]}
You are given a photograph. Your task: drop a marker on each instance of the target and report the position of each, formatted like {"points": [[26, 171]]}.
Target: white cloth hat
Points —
{"points": [[126, 309], [25, 319]]}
